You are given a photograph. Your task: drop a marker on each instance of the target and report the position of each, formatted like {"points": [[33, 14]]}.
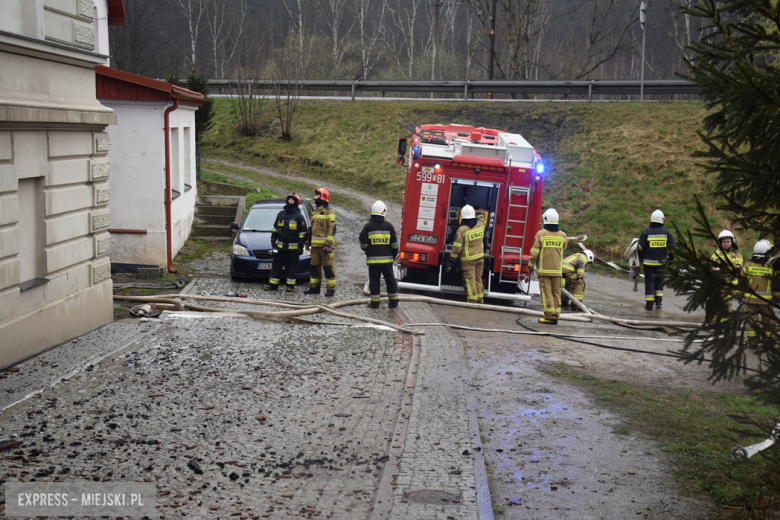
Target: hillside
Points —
{"points": [[609, 164]]}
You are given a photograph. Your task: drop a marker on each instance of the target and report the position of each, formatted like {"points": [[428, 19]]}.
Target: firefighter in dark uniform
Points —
{"points": [[653, 246], [470, 249], [287, 238], [380, 243], [759, 287], [322, 241], [574, 277], [547, 257]]}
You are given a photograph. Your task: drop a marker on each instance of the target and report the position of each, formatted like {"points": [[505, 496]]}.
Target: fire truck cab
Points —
{"points": [[500, 175]]}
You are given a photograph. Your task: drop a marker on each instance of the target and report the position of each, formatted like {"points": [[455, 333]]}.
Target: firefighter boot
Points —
{"points": [[272, 287], [658, 301], [548, 321], [312, 290], [649, 305], [329, 292], [290, 288], [393, 304]]}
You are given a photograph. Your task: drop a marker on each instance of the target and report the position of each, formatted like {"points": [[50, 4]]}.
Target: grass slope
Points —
{"points": [[610, 164]]}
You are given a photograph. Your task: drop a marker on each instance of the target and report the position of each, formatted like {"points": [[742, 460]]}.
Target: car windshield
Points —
{"points": [[260, 219]]}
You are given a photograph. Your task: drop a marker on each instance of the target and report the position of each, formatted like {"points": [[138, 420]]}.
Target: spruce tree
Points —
{"points": [[736, 63]]}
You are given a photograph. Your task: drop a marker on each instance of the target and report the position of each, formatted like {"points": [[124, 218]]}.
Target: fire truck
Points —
{"points": [[500, 175]]}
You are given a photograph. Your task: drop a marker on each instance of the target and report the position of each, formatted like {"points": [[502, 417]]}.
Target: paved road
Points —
{"points": [[284, 419]]}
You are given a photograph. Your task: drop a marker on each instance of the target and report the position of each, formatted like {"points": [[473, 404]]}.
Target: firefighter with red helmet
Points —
{"points": [[287, 239], [321, 240], [758, 288], [547, 257], [469, 248], [380, 243]]}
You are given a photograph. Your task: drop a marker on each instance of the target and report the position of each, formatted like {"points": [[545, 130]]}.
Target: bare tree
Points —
{"points": [[193, 11], [404, 18], [334, 17], [247, 101], [298, 24], [606, 32], [287, 71], [368, 42], [133, 46]]}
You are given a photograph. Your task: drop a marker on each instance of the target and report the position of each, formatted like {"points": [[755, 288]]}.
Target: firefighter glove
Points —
{"points": [[448, 263], [274, 239], [671, 257]]}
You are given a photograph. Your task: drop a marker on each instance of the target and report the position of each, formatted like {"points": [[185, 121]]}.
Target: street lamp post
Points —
{"points": [[642, 10]]}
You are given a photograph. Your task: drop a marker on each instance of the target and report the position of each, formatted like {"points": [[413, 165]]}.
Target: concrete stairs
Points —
{"points": [[214, 214]]}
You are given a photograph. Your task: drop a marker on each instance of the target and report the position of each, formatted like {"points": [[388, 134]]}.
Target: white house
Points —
{"points": [[55, 278], [153, 167]]}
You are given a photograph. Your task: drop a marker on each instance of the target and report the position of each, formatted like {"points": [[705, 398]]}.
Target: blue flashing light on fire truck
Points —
{"points": [[500, 175]]}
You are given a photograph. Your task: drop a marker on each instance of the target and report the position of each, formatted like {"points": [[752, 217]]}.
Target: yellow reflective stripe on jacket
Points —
{"points": [[379, 238], [379, 260], [760, 271]]}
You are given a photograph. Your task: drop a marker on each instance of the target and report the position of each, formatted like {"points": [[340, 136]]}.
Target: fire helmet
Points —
{"points": [[590, 256], [379, 208], [295, 196], [323, 193], [657, 216], [467, 212], [762, 247], [550, 216]]}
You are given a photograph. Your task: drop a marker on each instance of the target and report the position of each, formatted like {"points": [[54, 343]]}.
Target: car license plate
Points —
{"points": [[423, 239], [264, 265]]}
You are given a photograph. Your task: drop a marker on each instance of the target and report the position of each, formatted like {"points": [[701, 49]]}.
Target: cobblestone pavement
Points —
{"points": [[284, 419]]}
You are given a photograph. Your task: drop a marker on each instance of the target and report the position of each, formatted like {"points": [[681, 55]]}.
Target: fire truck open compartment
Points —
{"points": [[496, 173]]}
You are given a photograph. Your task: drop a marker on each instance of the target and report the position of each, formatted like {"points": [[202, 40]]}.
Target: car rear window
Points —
{"points": [[260, 219]]}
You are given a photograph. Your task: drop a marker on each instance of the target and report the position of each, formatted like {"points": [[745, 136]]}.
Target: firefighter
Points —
{"points": [[730, 260], [653, 246], [287, 238], [469, 249], [759, 286], [547, 257], [321, 240], [574, 277], [380, 243]]}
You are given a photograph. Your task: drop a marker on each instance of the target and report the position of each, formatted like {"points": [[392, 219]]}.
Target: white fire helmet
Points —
{"points": [[550, 216], [725, 234], [762, 247], [379, 208], [657, 216], [589, 255], [467, 212]]}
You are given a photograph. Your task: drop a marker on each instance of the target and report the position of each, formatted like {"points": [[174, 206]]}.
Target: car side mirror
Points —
{"points": [[234, 225], [401, 150]]}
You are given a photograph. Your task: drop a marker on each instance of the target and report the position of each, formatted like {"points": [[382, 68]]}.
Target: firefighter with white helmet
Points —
{"points": [[547, 257], [758, 288], [469, 248], [322, 240], [653, 246], [729, 262], [380, 243], [574, 277]]}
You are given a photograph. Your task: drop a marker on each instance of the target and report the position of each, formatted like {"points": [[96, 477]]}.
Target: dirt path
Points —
{"points": [[350, 259]]}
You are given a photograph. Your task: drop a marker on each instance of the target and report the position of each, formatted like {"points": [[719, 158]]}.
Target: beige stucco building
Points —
{"points": [[55, 274]]}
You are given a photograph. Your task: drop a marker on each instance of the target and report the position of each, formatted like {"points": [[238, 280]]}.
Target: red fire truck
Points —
{"points": [[500, 175]]}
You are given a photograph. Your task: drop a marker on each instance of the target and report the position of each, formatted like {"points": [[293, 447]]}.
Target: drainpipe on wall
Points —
{"points": [[168, 226]]}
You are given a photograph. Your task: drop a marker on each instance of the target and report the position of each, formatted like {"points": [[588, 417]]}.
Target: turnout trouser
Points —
{"points": [[654, 284], [284, 258], [375, 272], [760, 317], [575, 286], [472, 279], [550, 287], [321, 261]]}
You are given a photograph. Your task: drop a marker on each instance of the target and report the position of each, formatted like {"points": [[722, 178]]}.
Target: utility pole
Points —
{"points": [[492, 43], [435, 71], [642, 9]]}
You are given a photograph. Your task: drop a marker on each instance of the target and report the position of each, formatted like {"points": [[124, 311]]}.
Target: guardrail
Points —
{"points": [[587, 88]]}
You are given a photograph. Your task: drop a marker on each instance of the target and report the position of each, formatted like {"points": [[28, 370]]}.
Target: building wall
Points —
{"points": [[54, 197], [138, 180]]}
